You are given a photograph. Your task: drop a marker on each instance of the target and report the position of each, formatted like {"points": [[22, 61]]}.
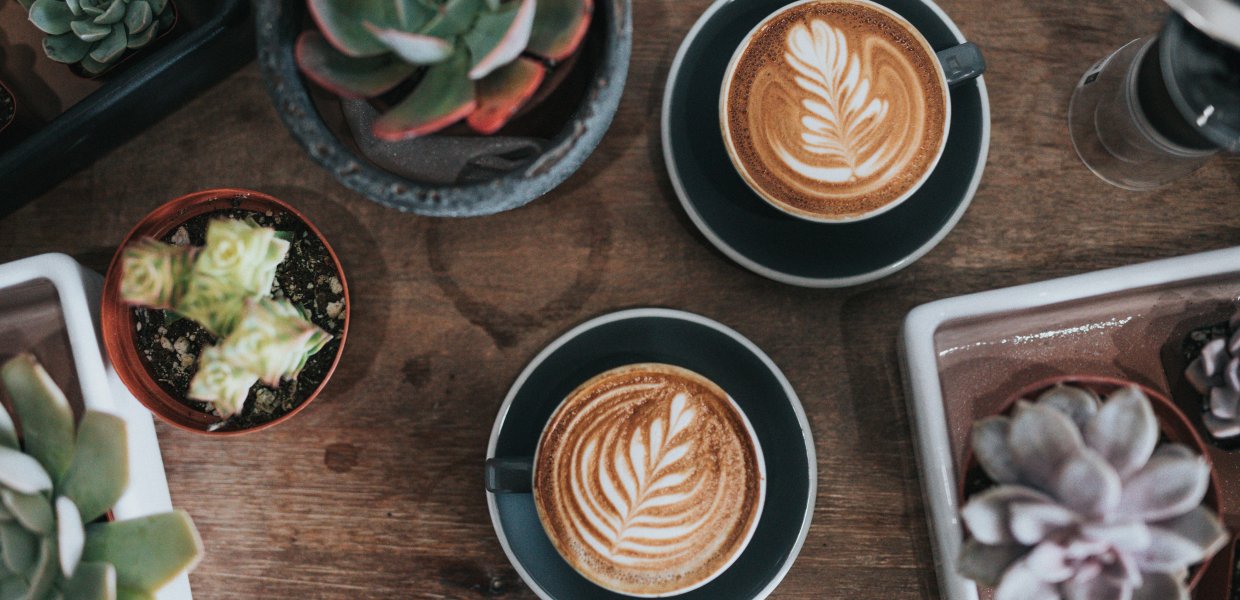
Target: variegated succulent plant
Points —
{"points": [[1215, 373], [478, 60], [226, 288], [58, 480], [1087, 504], [96, 33]]}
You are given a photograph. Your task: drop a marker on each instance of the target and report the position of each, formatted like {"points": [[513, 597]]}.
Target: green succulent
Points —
{"points": [[478, 60], [96, 33], [58, 480]]}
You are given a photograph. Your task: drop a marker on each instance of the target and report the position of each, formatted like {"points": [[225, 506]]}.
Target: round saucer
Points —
{"points": [[696, 343], [781, 247]]}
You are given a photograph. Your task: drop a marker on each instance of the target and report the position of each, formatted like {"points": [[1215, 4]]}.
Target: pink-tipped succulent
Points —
{"points": [[478, 60], [1088, 505], [1215, 373]]}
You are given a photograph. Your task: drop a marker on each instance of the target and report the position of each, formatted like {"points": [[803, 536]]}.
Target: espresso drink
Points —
{"points": [[834, 109], [648, 480]]}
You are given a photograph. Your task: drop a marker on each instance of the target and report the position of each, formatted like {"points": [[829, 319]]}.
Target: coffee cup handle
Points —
{"points": [[510, 475], [962, 63]]}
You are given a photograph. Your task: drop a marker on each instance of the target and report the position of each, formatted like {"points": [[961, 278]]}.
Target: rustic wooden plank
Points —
{"points": [[375, 491]]}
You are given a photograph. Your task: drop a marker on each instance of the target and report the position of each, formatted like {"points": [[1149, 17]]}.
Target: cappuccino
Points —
{"points": [[649, 480], [834, 110]]}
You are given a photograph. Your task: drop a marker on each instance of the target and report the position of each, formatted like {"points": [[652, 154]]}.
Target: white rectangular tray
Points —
{"points": [[78, 291], [925, 387]]}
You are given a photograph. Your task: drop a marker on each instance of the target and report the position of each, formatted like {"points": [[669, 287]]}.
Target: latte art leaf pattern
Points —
{"points": [[842, 119], [647, 480]]}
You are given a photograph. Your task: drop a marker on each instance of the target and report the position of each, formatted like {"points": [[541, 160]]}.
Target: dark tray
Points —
{"points": [[66, 121]]}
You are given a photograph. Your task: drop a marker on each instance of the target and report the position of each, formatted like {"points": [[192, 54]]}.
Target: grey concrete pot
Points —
{"points": [[605, 59]]}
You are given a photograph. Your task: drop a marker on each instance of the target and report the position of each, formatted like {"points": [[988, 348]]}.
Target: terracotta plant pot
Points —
{"points": [[1173, 425], [118, 321]]}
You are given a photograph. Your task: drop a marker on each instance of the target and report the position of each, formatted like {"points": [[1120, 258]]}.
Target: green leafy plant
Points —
{"points": [[96, 33], [478, 60], [226, 288], [58, 481]]}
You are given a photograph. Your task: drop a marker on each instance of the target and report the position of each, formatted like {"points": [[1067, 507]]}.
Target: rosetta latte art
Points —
{"points": [[645, 482]]}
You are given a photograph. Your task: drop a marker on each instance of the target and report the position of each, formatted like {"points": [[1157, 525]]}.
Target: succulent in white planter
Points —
{"points": [[58, 481], [226, 287], [1088, 505]]}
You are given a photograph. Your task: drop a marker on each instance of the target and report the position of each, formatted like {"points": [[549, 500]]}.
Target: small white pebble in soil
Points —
{"points": [[335, 310], [182, 345], [309, 286], [163, 330], [138, 326], [187, 360], [167, 344], [181, 237], [334, 282]]}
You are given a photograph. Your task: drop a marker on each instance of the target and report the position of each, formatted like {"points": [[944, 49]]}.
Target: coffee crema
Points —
{"points": [[834, 109], [648, 480]]}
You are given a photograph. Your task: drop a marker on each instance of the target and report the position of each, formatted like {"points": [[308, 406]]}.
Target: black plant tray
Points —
{"points": [[65, 121]]}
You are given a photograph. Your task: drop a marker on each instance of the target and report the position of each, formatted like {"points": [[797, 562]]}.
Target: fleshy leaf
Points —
{"points": [[990, 446], [13, 587], [8, 434], [1130, 536], [45, 570], [92, 581], [90, 32], [1051, 561], [70, 537], [138, 17], [52, 17], [18, 547], [1078, 403], [22, 473], [1042, 439], [1165, 488], [346, 76], [986, 514], [44, 413], [559, 27], [412, 15], [1022, 583], [111, 47], [65, 48], [1033, 522], [445, 95], [141, 39], [414, 48], [1160, 586], [1199, 530], [1125, 430], [148, 551], [154, 274], [1096, 588], [33, 511], [99, 472], [1088, 485], [273, 340], [502, 93], [985, 564], [112, 14], [499, 37], [342, 23], [455, 17]]}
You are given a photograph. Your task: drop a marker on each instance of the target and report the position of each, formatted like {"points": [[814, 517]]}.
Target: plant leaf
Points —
{"points": [[142, 38], [8, 433], [13, 587], [1125, 430], [1042, 439], [90, 32], [44, 413], [70, 537], [990, 446], [499, 37], [454, 18], [412, 15], [343, 24], [413, 47], [502, 94], [33, 511], [18, 547], [148, 551], [113, 14], [52, 17], [99, 472], [138, 17], [65, 48], [45, 570], [22, 473], [92, 581], [111, 47], [445, 95], [1168, 486], [344, 75], [559, 28]]}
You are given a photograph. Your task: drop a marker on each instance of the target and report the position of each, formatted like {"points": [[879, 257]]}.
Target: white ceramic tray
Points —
{"points": [[57, 302], [963, 354]]}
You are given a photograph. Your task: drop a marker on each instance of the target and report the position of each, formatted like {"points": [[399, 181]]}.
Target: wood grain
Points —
{"points": [[375, 491]]}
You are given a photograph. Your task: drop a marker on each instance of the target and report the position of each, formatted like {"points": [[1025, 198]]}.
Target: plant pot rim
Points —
{"points": [[1164, 409], [117, 323], [4, 88], [278, 27]]}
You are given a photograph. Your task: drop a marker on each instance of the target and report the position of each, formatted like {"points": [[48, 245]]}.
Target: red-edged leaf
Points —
{"points": [[502, 93], [343, 23], [413, 47], [346, 76], [559, 27], [499, 37], [444, 96]]}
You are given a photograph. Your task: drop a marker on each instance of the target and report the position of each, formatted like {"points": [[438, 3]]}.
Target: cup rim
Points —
{"points": [[749, 430], [725, 129]]}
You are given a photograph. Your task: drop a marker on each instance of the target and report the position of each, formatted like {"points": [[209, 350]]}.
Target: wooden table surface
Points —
{"points": [[375, 490]]}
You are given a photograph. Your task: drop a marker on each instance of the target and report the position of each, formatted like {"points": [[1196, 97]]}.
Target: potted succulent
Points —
{"points": [[1093, 490], [1214, 374], [225, 311], [93, 36], [447, 107], [58, 482]]}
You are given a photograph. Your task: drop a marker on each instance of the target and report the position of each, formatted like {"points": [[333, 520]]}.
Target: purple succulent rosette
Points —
{"points": [[1087, 504], [155, 274], [1215, 373]]}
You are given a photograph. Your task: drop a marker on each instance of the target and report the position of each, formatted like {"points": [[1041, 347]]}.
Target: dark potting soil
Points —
{"points": [[307, 278], [6, 108]]}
